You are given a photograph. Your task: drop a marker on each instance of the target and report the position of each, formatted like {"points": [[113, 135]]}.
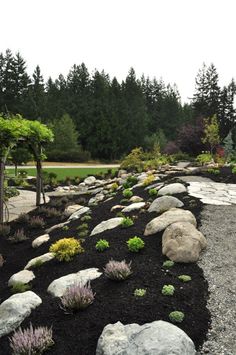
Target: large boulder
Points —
{"points": [[90, 180], [58, 287], [182, 242], [39, 259], [108, 224], [23, 276], [134, 206], [156, 338], [164, 203], [15, 309], [165, 219], [172, 189]]}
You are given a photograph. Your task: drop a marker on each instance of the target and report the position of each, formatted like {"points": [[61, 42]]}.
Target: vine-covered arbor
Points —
{"points": [[19, 131]]}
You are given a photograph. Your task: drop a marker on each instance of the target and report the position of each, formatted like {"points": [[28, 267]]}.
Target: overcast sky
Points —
{"points": [[162, 38]]}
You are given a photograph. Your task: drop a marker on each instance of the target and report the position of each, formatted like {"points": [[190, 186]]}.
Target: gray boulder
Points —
{"points": [[15, 309], [23, 276], [90, 180], [156, 338], [41, 258], [165, 219], [136, 199], [71, 209], [134, 206], [182, 242], [172, 189], [108, 224], [40, 240], [164, 203], [58, 287]]}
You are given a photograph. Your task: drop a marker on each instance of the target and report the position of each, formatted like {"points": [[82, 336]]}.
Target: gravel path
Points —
{"points": [[219, 266]]}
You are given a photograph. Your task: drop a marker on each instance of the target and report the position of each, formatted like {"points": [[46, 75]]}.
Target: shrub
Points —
{"points": [[117, 270], [130, 181], [204, 158], [140, 292], [168, 290], [1, 260], [31, 341], [135, 244], [36, 264], [18, 237], [120, 214], [234, 170], [20, 287], [77, 297], [23, 173], [127, 193], [133, 161], [176, 316], [65, 228], [86, 218], [149, 179], [102, 245], [36, 222], [168, 263], [4, 230], [184, 278], [82, 227], [152, 192], [213, 171], [23, 218], [64, 249], [124, 201], [127, 222], [83, 233], [114, 186], [10, 192], [52, 212]]}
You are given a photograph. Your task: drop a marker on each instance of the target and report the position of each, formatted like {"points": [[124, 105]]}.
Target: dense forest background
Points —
{"points": [[96, 116]]}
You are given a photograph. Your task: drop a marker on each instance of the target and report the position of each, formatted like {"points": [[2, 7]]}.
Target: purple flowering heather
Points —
{"points": [[31, 341], [117, 270], [77, 297]]}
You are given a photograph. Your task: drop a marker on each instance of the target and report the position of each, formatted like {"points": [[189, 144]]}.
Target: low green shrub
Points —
{"points": [[127, 222], [120, 214], [168, 290], [82, 227], [213, 171], [36, 264], [204, 158], [127, 193], [20, 287], [133, 161], [176, 316], [168, 263], [86, 218], [65, 228], [130, 181], [140, 292], [184, 278], [102, 245], [149, 179], [152, 192], [124, 201], [135, 244], [234, 170], [114, 186], [84, 233]]}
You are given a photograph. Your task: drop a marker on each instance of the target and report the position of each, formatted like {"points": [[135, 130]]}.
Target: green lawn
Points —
{"points": [[62, 173]]}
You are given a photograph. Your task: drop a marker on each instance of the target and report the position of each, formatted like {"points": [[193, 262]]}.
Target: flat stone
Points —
{"points": [[117, 207], [156, 338], [108, 224], [15, 309], [42, 258], [23, 276], [79, 213], [164, 203], [182, 242], [134, 206], [40, 240], [156, 186], [58, 287], [135, 199], [72, 209], [56, 226], [165, 219], [172, 189]]}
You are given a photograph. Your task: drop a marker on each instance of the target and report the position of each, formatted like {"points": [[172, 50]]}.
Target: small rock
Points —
{"points": [[72, 209], [40, 240], [108, 224], [42, 258], [136, 199], [90, 180], [117, 207], [133, 207], [58, 287], [23, 276]]}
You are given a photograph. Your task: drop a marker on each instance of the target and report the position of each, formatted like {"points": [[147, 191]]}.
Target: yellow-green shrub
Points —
{"points": [[149, 179], [64, 249]]}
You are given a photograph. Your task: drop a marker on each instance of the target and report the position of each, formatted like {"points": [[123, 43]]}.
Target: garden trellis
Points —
{"points": [[33, 134]]}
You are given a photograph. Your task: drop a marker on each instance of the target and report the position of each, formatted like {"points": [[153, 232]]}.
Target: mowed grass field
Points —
{"points": [[62, 173]]}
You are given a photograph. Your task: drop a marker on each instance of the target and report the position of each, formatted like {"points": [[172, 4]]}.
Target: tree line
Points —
{"points": [[95, 115]]}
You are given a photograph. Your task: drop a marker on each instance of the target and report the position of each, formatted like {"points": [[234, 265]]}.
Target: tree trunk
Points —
{"points": [[15, 170], [1, 190], [38, 183]]}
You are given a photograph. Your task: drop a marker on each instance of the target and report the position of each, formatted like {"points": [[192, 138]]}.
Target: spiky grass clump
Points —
{"points": [[36, 222], [31, 341], [117, 270], [64, 249], [18, 237], [77, 297]]}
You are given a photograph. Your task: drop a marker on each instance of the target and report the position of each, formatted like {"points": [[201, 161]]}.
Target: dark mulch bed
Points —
{"points": [[225, 175], [114, 301]]}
